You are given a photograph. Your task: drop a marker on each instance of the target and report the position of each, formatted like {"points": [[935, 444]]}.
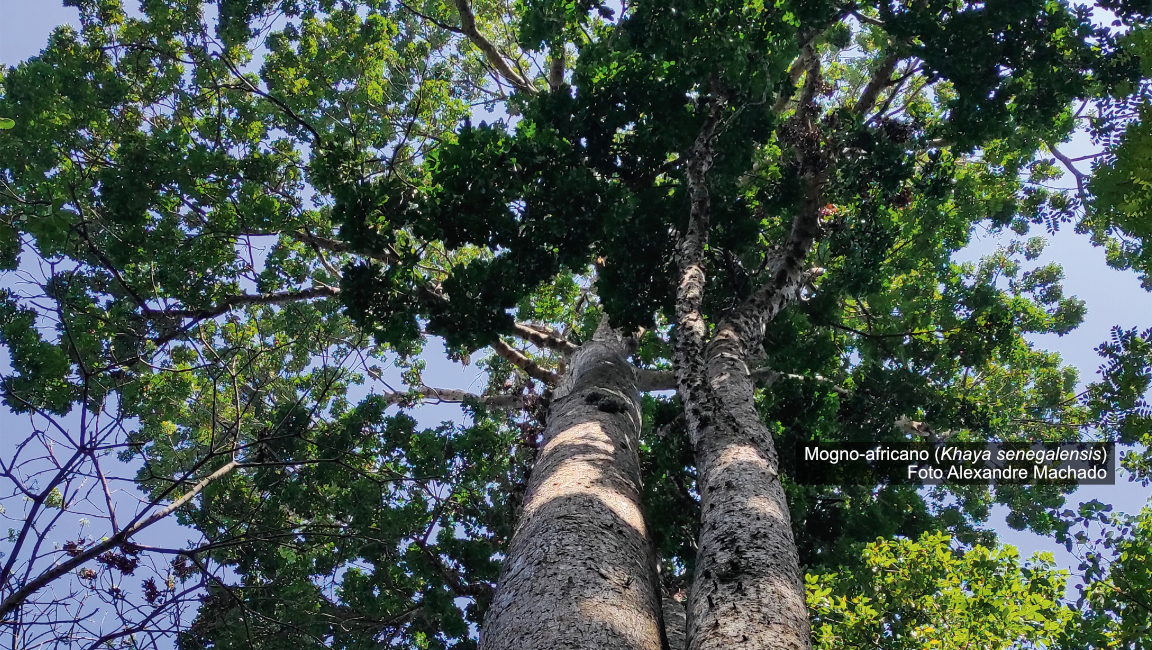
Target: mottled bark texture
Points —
{"points": [[675, 623], [748, 587], [580, 572], [747, 590], [691, 327]]}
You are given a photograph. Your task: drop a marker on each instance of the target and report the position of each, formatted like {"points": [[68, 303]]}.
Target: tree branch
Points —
{"points": [[325, 243], [807, 102], [494, 57], [691, 327], [250, 87], [768, 376], [653, 380], [454, 579], [439, 23], [788, 276], [530, 367], [228, 303], [1081, 177], [18, 596], [544, 337], [801, 64], [881, 79], [896, 84], [505, 402], [337, 246], [865, 20], [556, 68]]}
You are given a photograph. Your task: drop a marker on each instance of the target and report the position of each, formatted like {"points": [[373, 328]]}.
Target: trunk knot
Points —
{"points": [[604, 402]]}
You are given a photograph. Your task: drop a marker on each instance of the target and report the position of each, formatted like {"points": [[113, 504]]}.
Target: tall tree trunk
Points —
{"points": [[581, 569], [747, 589]]}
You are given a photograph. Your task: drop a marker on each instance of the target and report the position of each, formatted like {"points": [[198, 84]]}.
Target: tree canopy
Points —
{"points": [[234, 236]]}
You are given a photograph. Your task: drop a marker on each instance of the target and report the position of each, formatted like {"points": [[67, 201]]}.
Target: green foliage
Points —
{"points": [[361, 544], [231, 248], [1117, 401], [40, 380], [1117, 566], [930, 594], [1122, 206], [1001, 84], [1118, 216]]}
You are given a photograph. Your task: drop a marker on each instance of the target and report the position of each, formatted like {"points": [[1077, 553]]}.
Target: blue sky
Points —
{"points": [[1112, 297]]}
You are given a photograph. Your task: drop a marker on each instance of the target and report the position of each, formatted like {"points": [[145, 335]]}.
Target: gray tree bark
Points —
{"points": [[580, 572], [748, 587], [748, 590], [675, 623]]}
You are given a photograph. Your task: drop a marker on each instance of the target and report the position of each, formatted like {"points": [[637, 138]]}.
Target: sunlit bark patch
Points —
{"points": [[580, 571]]}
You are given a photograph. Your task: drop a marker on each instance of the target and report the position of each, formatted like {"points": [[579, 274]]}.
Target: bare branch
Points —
{"points": [[228, 303], [544, 337], [17, 597], [768, 376], [653, 380], [881, 79], [506, 402], [896, 85], [37, 502], [1081, 177], [325, 243], [866, 20]]}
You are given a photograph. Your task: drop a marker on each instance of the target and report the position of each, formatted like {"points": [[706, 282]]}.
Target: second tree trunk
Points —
{"points": [[580, 572], [748, 590]]}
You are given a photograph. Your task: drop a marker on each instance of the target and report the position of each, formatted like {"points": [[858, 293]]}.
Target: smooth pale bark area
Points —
{"points": [[581, 570], [747, 591]]}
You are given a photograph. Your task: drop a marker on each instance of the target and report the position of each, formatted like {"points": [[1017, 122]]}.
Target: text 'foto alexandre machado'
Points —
{"points": [[933, 463]]}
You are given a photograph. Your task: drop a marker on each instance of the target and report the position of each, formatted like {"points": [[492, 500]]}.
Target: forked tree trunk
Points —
{"points": [[747, 590], [580, 572]]}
